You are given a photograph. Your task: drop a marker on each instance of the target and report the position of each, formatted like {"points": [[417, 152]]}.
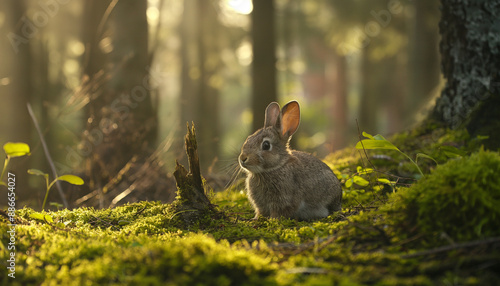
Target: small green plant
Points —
{"points": [[72, 179], [12, 150], [379, 142], [42, 217], [362, 182]]}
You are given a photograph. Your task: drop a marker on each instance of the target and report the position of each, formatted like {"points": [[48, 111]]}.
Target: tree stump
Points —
{"points": [[191, 201]]}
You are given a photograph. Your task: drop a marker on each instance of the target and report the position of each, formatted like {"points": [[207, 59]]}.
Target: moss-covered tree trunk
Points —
{"points": [[470, 52]]}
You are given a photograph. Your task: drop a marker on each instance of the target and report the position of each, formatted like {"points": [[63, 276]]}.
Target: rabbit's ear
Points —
{"points": [[290, 118], [272, 115]]}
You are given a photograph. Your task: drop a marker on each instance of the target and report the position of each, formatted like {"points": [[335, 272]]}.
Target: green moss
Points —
{"points": [[73, 257], [459, 201], [367, 243]]}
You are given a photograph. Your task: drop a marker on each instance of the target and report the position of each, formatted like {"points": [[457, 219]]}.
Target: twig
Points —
{"points": [[368, 159], [446, 248], [364, 150], [140, 211], [86, 197], [47, 154], [109, 9]]}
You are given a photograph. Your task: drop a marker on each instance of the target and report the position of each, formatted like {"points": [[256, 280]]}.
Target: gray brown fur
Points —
{"points": [[282, 182]]}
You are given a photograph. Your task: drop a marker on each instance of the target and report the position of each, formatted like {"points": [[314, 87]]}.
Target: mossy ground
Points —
{"points": [[387, 234]]}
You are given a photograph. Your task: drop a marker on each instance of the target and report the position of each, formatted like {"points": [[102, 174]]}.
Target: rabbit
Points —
{"points": [[282, 182]]}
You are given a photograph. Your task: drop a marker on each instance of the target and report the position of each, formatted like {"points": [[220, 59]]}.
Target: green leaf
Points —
{"points": [[16, 149], [367, 135], [360, 181], [451, 152], [384, 181], [72, 179], [43, 217], [379, 137], [481, 137], [37, 172], [57, 205], [375, 144], [36, 216], [362, 171], [48, 218], [348, 183], [422, 155]]}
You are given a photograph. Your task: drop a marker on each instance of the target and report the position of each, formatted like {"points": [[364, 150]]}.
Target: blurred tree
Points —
{"points": [[190, 70], [384, 57], [264, 60], [16, 81], [384, 92], [424, 70], [312, 30], [121, 120], [201, 81], [369, 104], [470, 41]]}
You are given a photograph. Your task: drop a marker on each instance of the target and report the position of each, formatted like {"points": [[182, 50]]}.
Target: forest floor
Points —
{"points": [[397, 227]]}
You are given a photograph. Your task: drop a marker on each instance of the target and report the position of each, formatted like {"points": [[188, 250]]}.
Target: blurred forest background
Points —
{"points": [[113, 82]]}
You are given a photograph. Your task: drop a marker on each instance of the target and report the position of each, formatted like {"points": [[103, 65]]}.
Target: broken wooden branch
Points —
{"points": [[191, 190]]}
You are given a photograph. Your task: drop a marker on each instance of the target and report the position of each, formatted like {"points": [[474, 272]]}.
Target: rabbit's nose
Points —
{"points": [[243, 158]]}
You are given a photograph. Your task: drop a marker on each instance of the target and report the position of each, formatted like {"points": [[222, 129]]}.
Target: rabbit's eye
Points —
{"points": [[266, 145]]}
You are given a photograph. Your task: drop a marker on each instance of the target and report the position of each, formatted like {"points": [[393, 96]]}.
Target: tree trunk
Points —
{"points": [[336, 77], [264, 60], [424, 56], [16, 84], [190, 73], [208, 109], [469, 47], [369, 93], [121, 120], [200, 64]]}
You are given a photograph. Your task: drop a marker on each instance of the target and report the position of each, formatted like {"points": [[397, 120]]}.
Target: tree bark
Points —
{"points": [[470, 41]]}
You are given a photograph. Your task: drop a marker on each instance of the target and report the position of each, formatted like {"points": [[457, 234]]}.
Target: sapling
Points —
{"points": [[13, 149], [72, 179], [379, 142]]}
